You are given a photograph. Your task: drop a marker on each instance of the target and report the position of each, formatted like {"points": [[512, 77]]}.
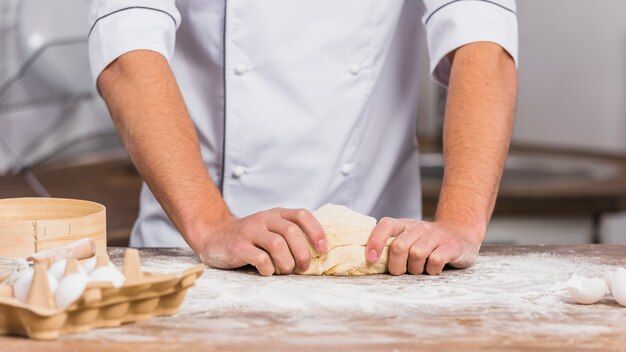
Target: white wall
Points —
{"points": [[26, 129], [86, 132], [572, 74], [529, 230], [8, 61]]}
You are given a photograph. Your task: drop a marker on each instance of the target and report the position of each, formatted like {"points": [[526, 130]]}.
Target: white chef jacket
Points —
{"points": [[299, 103]]}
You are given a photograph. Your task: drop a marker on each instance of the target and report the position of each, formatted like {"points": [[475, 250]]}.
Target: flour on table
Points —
{"points": [[501, 295]]}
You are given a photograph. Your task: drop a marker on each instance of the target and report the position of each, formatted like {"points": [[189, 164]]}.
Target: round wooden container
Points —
{"points": [[30, 225]]}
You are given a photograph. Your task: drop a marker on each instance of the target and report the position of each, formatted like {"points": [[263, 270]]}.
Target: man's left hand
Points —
{"points": [[422, 246]]}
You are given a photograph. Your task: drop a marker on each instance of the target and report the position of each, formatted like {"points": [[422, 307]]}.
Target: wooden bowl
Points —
{"points": [[30, 225]]}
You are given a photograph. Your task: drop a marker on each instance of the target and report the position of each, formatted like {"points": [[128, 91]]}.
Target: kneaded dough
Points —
{"points": [[347, 232]]}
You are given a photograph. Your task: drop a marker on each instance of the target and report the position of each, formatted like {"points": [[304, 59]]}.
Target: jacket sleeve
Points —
{"points": [[451, 24], [121, 26]]}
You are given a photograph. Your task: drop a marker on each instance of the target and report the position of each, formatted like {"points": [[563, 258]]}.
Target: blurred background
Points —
{"points": [[564, 183]]}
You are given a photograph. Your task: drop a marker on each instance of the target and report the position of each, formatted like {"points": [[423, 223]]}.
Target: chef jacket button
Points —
{"points": [[238, 171], [240, 69], [355, 69], [346, 169]]}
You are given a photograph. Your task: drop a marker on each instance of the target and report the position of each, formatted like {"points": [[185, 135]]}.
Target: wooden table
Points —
{"points": [[512, 299]]}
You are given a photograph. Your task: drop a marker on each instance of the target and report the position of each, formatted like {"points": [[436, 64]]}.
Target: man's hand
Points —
{"points": [[279, 235], [476, 134], [421, 246]]}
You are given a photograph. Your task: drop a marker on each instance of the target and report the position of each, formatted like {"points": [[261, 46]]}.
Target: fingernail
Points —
{"points": [[372, 256], [321, 246]]}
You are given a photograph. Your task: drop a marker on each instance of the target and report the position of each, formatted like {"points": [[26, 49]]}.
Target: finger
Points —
{"points": [[309, 225], [386, 227], [276, 246], [442, 255], [259, 259], [296, 240], [399, 251], [420, 251]]}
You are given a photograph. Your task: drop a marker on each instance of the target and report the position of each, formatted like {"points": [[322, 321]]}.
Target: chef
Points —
{"points": [[241, 114]]}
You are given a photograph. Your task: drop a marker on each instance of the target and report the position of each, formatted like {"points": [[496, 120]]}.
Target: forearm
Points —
{"points": [[150, 116], [477, 131]]}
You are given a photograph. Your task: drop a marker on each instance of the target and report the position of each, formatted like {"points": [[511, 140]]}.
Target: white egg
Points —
{"points": [[57, 269], [618, 286], [108, 273], [89, 265], [22, 284], [70, 289], [586, 290]]}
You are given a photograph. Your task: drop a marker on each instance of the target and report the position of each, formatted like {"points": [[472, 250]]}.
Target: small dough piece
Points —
{"points": [[347, 232]]}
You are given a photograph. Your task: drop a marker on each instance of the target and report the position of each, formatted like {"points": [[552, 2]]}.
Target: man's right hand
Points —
{"points": [[278, 235]]}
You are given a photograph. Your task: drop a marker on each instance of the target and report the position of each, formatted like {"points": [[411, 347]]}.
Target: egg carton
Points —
{"points": [[142, 296]]}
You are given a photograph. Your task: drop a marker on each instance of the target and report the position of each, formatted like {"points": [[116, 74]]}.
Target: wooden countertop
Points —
{"points": [[512, 299]]}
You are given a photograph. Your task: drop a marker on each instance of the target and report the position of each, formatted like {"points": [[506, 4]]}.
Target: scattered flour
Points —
{"points": [[499, 295]]}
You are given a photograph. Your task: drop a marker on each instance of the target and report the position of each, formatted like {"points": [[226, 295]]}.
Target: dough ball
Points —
{"points": [[347, 232]]}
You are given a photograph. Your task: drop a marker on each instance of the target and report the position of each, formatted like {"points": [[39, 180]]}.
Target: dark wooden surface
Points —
{"points": [[579, 199], [115, 184], [13, 186], [202, 325]]}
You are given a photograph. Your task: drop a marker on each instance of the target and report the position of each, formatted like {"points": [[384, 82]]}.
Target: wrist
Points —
{"points": [[474, 231], [198, 227]]}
